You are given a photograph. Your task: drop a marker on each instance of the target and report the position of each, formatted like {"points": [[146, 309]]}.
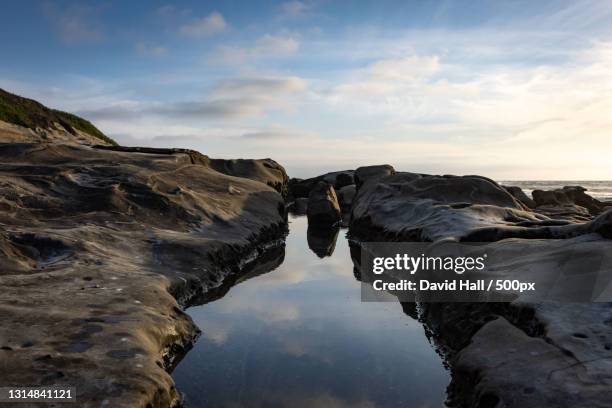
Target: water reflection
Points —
{"points": [[322, 241], [299, 336]]}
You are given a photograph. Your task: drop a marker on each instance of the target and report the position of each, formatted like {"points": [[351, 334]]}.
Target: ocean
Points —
{"points": [[601, 190]]}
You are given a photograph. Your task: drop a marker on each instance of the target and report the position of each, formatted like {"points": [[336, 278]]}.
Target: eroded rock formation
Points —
{"points": [[516, 354], [101, 249]]}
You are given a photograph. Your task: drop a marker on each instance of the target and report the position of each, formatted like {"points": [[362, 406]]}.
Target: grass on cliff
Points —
{"points": [[31, 114]]}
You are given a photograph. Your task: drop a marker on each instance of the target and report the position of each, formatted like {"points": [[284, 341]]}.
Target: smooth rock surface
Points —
{"points": [[99, 252], [338, 179], [346, 195], [426, 208], [365, 173], [323, 208], [516, 354], [322, 241]]}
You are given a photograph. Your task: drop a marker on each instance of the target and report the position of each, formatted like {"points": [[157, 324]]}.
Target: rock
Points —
{"points": [[266, 171], [343, 179], [518, 193], [418, 207], [299, 206], [516, 354], [345, 197], [323, 208], [322, 241], [338, 179], [568, 196], [363, 174], [100, 250], [298, 188]]}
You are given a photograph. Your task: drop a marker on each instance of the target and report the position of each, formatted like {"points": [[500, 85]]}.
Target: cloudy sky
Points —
{"points": [[511, 90]]}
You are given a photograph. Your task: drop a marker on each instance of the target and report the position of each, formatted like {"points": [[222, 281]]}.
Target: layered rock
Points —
{"points": [[427, 208], [101, 249], [516, 354], [266, 171], [568, 196]]}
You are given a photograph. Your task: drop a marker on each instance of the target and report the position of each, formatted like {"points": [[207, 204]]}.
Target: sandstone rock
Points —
{"points": [[418, 207], [266, 171], [517, 354], [323, 208], [99, 252]]}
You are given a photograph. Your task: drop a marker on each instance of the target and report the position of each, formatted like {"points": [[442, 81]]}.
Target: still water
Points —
{"points": [[299, 336]]}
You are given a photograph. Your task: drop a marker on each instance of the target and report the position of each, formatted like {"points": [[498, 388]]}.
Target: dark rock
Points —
{"points": [[338, 179], [299, 206], [343, 180], [518, 193], [411, 206], [323, 208], [322, 241], [568, 196], [363, 174], [345, 197], [513, 354], [298, 188]]}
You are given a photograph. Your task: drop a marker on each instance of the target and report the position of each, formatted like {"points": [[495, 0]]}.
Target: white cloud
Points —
{"points": [[272, 45], [151, 50], [229, 101], [260, 86], [404, 69], [294, 9], [205, 26], [266, 46], [75, 24]]}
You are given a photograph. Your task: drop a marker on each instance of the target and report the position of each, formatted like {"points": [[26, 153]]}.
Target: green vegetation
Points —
{"points": [[31, 114]]}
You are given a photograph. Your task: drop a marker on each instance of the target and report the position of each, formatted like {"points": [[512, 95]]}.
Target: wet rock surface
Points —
{"points": [[516, 354], [100, 249]]}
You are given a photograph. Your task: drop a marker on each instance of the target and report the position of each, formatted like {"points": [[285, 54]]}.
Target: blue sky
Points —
{"points": [[511, 90]]}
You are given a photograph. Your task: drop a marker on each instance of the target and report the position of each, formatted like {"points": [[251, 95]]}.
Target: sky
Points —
{"points": [[510, 89]]}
